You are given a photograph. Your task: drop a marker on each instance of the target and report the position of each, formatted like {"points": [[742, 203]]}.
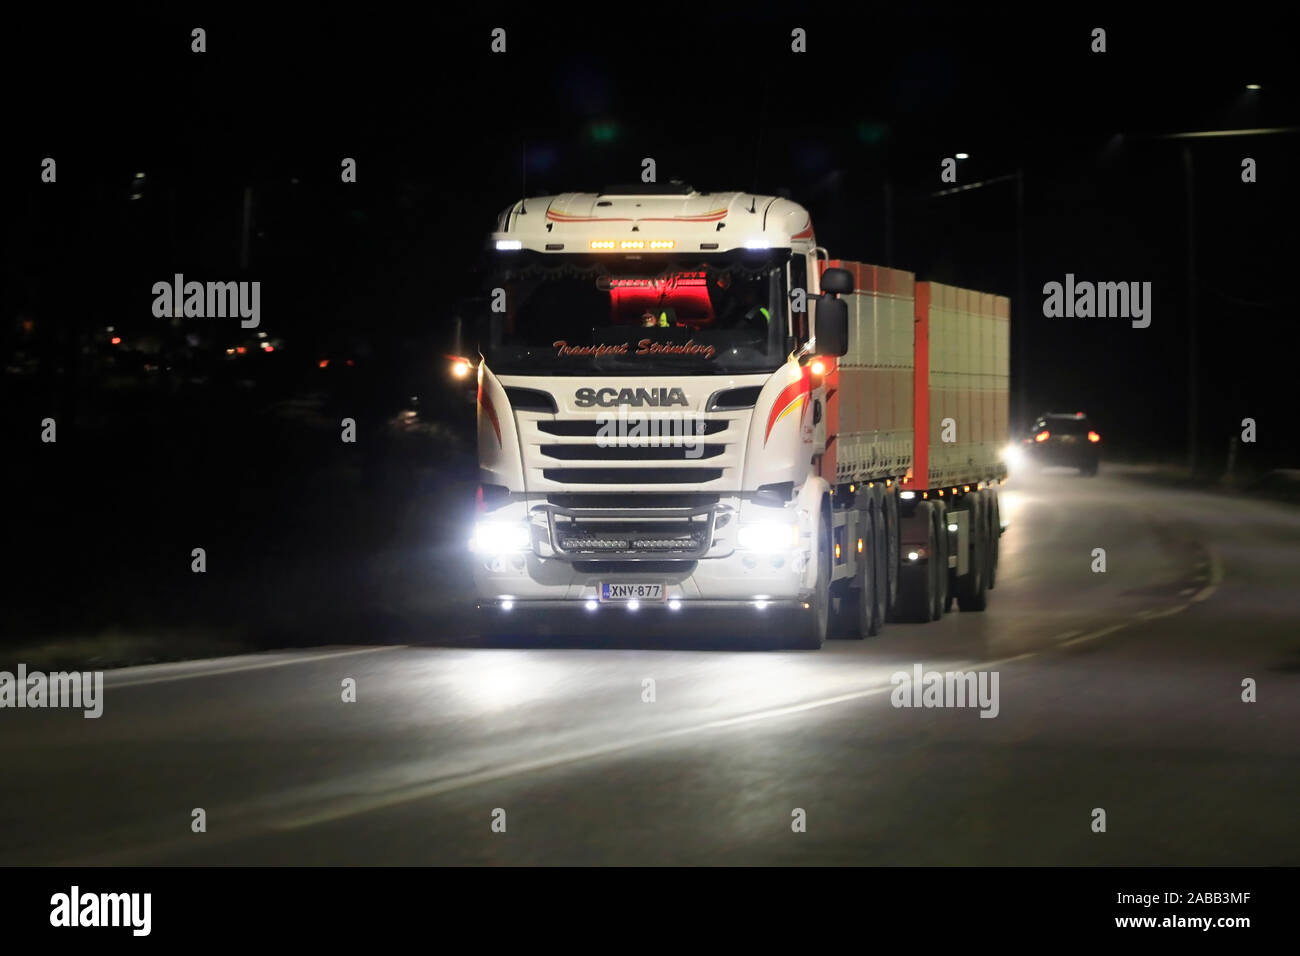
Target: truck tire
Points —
{"points": [[995, 534], [917, 582], [939, 562], [811, 625], [879, 552], [889, 511], [972, 589], [868, 600]]}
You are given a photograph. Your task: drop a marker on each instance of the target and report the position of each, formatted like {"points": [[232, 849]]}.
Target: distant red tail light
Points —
{"points": [[1043, 436], [324, 363], [1093, 436]]}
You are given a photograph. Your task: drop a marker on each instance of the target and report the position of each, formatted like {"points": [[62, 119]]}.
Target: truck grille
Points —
{"points": [[631, 476], [632, 452], [590, 427]]}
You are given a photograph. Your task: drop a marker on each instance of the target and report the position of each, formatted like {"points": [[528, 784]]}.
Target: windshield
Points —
{"points": [[628, 315]]}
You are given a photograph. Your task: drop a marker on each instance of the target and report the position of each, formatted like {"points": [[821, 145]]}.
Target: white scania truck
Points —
{"points": [[684, 406]]}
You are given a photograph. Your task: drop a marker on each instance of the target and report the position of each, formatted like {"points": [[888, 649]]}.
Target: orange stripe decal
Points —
{"points": [[485, 404], [792, 396]]}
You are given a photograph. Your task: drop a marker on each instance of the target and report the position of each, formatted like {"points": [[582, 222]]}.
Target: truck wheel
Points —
{"points": [[812, 624], [939, 562], [917, 582], [865, 623], [972, 590], [879, 566], [994, 534], [889, 511]]}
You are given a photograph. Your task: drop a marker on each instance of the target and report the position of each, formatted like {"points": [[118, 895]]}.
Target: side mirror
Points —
{"points": [[832, 325], [837, 281]]}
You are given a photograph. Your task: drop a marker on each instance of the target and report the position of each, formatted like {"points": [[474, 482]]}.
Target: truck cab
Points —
{"points": [[650, 410]]}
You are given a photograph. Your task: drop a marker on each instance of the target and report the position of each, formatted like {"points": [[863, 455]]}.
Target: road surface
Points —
{"points": [[1119, 691]]}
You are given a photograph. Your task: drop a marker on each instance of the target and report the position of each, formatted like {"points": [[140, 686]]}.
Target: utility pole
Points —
{"points": [[889, 224], [1189, 174], [245, 241], [1021, 313]]}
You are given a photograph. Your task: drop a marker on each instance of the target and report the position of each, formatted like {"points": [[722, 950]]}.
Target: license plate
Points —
{"points": [[631, 592]]}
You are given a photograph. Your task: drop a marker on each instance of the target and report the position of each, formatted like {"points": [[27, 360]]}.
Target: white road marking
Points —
{"points": [[352, 807], [1216, 577], [254, 666]]}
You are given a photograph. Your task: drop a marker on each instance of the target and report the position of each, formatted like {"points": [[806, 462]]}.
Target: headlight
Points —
{"points": [[1013, 455], [500, 537], [768, 536]]}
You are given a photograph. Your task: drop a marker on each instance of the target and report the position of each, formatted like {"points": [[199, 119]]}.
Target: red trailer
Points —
{"points": [[915, 430]]}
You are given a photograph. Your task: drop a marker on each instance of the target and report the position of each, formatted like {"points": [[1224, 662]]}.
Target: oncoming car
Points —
{"points": [[1064, 439]]}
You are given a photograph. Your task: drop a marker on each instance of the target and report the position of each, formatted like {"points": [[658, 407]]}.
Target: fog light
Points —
{"points": [[507, 604], [913, 556], [591, 605], [500, 537], [768, 536], [674, 605], [633, 605]]}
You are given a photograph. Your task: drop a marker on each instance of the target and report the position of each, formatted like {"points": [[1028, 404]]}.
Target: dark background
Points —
{"points": [[165, 443]]}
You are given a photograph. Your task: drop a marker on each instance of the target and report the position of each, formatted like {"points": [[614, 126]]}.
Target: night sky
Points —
{"points": [[445, 133]]}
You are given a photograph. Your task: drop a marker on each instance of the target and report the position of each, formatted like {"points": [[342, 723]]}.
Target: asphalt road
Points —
{"points": [[1118, 690]]}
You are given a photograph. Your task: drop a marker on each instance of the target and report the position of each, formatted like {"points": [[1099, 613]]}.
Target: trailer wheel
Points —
{"points": [[939, 561], [812, 624], [880, 563], [972, 590], [917, 582], [868, 597], [995, 535], [889, 511]]}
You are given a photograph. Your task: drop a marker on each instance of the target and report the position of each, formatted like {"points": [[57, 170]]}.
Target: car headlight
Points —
{"points": [[768, 536], [500, 537]]}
